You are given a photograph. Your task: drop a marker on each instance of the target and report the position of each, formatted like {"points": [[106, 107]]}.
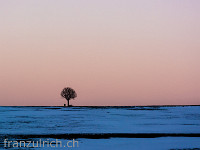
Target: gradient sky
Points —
{"points": [[112, 52]]}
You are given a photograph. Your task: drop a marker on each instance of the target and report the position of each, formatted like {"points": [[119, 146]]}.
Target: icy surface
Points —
{"points": [[60, 120]]}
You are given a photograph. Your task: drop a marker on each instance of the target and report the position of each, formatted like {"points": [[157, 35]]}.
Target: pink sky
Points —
{"points": [[120, 52]]}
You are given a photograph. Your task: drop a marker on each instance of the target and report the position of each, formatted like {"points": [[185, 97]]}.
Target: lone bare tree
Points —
{"points": [[68, 93]]}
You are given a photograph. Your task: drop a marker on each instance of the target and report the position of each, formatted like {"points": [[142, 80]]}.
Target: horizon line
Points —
{"points": [[99, 106]]}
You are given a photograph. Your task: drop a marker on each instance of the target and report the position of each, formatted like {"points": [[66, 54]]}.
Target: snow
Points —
{"points": [[64, 120], [55, 120]]}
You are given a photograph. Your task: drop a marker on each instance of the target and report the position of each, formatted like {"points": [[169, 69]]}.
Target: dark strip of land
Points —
{"points": [[99, 135]]}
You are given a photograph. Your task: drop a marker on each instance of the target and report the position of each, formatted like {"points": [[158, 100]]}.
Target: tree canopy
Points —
{"points": [[68, 93]]}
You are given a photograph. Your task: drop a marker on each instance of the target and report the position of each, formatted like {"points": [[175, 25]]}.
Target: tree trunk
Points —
{"points": [[68, 102]]}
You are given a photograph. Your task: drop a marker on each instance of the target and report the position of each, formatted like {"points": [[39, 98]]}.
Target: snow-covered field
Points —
{"points": [[59, 120]]}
